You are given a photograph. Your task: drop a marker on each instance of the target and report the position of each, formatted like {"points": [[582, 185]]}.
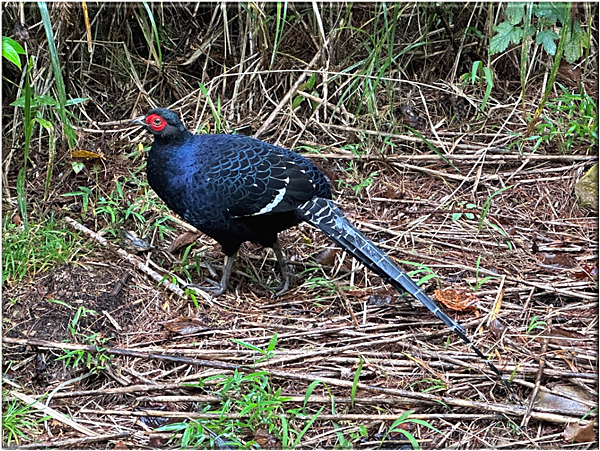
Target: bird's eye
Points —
{"points": [[157, 121]]}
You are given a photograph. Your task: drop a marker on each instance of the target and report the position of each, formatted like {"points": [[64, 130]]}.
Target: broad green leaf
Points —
{"points": [[515, 11], [575, 44], [506, 34], [582, 35], [552, 11], [11, 50], [529, 30], [36, 102], [547, 38]]}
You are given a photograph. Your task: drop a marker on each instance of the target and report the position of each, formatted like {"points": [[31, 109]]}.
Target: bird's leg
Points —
{"points": [[283, 269], [222, 286]]}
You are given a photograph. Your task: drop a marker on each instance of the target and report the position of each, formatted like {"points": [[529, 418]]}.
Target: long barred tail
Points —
{"points": [[325, 215]]}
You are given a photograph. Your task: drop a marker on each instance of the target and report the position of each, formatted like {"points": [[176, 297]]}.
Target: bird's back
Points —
{"points": [[233, 187]]}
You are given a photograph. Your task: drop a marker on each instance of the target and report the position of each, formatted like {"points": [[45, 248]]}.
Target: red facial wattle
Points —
{"points": [[156, 122]]}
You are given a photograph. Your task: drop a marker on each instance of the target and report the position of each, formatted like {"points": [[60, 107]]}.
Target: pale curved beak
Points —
{"points": [[139, 121]]}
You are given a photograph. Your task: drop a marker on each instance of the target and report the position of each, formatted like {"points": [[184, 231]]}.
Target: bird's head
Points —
{"points": [[163, 123]]}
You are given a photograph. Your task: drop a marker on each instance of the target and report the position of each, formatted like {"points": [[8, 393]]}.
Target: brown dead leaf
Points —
{"points": [[185, 239], [586, 272], [16, 219], [121, 445], [559, 260], [186, 325], [564, 404], [457, 299], [580, 433], [266, 440], [326, 257], [556, 332], [569, 73]]}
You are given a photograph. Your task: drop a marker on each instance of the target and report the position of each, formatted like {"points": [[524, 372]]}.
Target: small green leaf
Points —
{"points": [[36, 102], [297, 102], [475, 70], [506, 34], [547, 38], [311, 81], [44, 123], [77, 166], [456, 216], [424, 279], [247, 345]]}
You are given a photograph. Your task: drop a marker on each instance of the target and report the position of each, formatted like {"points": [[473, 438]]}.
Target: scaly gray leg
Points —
{"points": [[283, 269], [221, 287]]}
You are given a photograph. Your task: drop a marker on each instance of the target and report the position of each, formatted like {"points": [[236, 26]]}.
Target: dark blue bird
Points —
{"points": [[235, 188]]}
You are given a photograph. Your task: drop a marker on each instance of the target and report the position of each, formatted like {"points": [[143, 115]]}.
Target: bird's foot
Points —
{"points": [[281, 288], [216, 290], [221, 287]]}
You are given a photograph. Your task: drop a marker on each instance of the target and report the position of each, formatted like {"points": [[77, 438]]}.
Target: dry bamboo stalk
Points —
{"points": [[234, 416], [53, 413], [135, 261], [286, 98], [75, 441], [550, 417], [499, 408]]}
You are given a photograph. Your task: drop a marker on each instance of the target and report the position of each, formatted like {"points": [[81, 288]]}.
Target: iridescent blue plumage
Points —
{"points": [[236, 188]]}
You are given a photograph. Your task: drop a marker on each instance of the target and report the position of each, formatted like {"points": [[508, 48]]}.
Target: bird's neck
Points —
{"points": [[173, 140]]}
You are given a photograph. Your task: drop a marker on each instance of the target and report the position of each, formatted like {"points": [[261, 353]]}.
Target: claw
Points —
{"points": [[221, 287]]}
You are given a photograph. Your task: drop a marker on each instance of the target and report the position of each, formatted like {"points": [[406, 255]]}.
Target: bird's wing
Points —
{"points": [[256, 178]]}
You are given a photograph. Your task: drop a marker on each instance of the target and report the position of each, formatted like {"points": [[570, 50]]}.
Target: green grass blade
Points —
{"points": [[60, 84], [307, 427], [279, 24], [28, 129], [155, 30], [356, 379]]}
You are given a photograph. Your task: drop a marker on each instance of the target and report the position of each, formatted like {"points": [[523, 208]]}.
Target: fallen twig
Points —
{"points": [[135, 261], [51, 412], [75, 441], [505, 409]]}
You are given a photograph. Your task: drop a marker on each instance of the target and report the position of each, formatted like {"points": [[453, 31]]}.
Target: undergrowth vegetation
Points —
{"points": [[453, 134]]}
